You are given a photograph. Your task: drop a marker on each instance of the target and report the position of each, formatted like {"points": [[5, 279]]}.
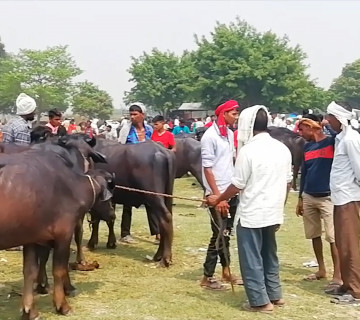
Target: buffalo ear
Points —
{"points": [[63, 140], [90, 141], [97, 157], [106, 194]]}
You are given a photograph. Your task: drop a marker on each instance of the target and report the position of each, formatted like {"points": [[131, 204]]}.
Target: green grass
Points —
{"points": [[128, 287]]}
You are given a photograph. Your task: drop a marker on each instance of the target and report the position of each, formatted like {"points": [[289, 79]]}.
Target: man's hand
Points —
{"points": [[299, 208], [212, 200], [324, 123], [223, 208]]}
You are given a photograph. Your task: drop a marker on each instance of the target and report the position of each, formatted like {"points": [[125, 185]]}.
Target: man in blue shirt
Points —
{"points": [[136, 131], [314, 202], [181, 128]]}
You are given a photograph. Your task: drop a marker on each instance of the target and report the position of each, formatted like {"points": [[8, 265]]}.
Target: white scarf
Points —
{"points": [[340, 113], [246, 124]]}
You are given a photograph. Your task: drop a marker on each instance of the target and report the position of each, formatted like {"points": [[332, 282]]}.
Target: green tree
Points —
{"points": [[240, 63], [91, 101], [46, 75], [160, 80], [347, 85], [2, 50]]}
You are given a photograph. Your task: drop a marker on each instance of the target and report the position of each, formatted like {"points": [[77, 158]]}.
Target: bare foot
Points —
{"points": [[268, 308], [278, 303]]}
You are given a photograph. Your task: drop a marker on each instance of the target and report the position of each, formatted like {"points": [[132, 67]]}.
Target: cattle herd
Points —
{"points": [[47, 188]]}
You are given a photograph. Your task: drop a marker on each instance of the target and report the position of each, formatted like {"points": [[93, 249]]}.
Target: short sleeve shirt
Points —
{"points": [[167, 139]]}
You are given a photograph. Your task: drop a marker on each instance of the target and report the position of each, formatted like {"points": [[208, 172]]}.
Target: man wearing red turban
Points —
{"points": [[217, 153]]}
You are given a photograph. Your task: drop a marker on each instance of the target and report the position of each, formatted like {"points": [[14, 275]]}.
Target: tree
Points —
{"points": [[46, 75], [237, 62], [347, 85], [160, 80], [2, 50], [91, 101]]}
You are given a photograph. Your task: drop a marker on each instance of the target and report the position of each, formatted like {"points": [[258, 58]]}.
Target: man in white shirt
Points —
{"points": [[217, 153], [262, 178], [345, 195], [274, 120]]}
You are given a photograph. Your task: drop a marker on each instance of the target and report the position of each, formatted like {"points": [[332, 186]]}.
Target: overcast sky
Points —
{"points": [[102, 36]]}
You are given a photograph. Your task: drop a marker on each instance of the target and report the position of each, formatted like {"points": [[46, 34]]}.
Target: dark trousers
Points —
{"points": [[223, 252], [347, 227], [259, 264], [127, 217]]}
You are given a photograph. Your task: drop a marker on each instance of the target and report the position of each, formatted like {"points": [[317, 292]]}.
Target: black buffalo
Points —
{"points": [[146, 166]]}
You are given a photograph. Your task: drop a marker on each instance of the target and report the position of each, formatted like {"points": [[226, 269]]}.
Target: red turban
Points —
{"points": [[219, 112]]}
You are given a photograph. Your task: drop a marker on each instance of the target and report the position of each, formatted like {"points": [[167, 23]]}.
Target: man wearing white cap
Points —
{"points": [[262, 177], [345, 195], [17, 130]]}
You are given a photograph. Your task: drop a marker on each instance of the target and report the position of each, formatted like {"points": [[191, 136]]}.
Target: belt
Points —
{"points": [[319, 195]]}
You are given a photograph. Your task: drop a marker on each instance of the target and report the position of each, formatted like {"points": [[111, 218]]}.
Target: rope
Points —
{"points": [[159, 194]]}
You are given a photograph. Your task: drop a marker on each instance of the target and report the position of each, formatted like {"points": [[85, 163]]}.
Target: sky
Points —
{"points": [[103, 35]]}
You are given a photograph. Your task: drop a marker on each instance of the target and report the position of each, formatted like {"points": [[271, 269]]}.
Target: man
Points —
{"points": [[161, 135], [89, 129], [289, 124], [210, 123], [345, 195], [17, 130], [54, 121], [197, 124], [274, 120], [314, 202], [72, 127], [181, 128], [176, 121], [110, 134], [262, 178], [217, 154], [134, 132]]}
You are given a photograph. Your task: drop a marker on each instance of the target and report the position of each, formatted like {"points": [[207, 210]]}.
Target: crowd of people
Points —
{"points": [[246, 187]]}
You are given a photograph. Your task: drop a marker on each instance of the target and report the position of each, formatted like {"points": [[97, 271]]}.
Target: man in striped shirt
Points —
{"points": [[314, 203]]}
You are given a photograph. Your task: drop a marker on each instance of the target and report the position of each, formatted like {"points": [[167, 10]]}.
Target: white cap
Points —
{"points": [[140, 105], [25, 105]]}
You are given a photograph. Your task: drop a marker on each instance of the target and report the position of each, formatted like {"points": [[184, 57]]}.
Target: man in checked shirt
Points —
{"points": [[17, 130]]}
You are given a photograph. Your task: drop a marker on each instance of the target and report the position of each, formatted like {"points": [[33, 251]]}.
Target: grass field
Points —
{"points": [[128, 287]]}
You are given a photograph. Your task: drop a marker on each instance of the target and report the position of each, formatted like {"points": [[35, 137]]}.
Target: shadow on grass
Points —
{"points": [[129, 251], [10, 297], [314, 287]]}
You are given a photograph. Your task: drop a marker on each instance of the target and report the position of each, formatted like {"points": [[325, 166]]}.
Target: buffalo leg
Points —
{"points": [[60, 272], [295, 175], [30, 270], [111, 244], [94, 239], [42, 280], [79, 231], [164, 255]]}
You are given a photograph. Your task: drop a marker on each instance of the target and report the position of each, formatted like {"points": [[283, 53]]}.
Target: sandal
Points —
{"points": [[278, 303], [313, 277], [213, 284], [346, 299], [248, 307], [334, 288]]}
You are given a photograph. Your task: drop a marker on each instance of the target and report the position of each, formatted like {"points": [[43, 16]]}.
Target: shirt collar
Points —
{"points": [[216, 128], [260, 136]]}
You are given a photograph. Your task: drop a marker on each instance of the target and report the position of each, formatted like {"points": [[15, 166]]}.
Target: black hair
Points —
{"points": [[158, 118], [261, 121], [321, 117], [312, 117], [182, 121], [135, 107], [346, 105], [305, 111], [109, 126], [54, 113]]}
